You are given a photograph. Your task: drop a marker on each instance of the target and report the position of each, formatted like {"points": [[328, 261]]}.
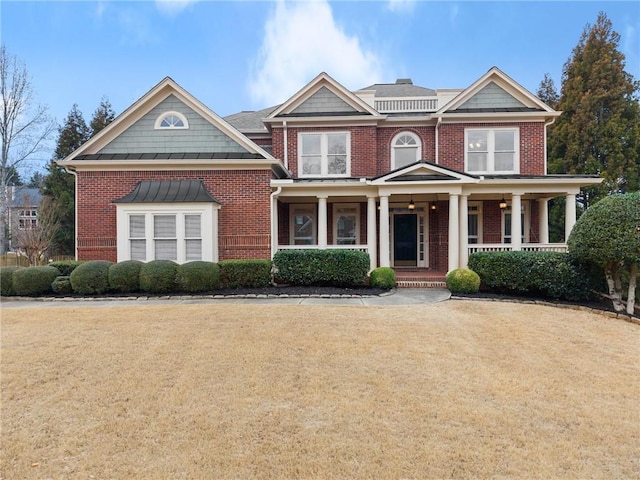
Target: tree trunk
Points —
{"points": [[631, 295], [612, 274]]}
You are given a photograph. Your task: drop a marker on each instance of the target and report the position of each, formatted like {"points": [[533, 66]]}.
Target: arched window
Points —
{"points": [[406, 149], [171, 120]]}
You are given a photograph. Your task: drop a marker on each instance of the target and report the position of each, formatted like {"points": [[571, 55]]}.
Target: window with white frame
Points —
{"points": [[474, 223], [303, 225], [346, 224], [524, 223], [324, 154], [27, 219], [492, 150], [406, 148], [171, 120], [164, 233]]}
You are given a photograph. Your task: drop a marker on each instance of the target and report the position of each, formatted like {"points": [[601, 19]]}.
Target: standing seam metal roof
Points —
{"points": [[169, 191]]}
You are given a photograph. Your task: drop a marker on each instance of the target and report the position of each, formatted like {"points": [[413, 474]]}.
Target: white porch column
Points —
{"points": [[516, 222], [463, 231], [454, 236], [569, 215], [543, 219], [322, 222], [371, 232], [385, 260]]}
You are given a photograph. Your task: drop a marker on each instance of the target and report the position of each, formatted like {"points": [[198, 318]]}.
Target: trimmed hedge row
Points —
{"points": [[34, 280], [550, 274], [245, 273], [333, 267]]}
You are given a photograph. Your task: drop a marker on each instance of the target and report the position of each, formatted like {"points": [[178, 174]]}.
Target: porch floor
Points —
{"points": [[412, 277]]}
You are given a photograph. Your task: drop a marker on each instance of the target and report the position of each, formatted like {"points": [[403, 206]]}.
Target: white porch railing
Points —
{"points": [[361, 248], [527, 247], [407, 104]]}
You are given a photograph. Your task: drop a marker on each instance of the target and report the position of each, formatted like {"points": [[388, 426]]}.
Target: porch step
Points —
{"points": [[406, 283]]}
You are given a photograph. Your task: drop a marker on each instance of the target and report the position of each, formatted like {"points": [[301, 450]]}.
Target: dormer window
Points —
{"points": [[406, 148], [172, 120]]}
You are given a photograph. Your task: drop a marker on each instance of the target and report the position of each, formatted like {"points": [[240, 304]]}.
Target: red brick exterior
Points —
{"points": [[243, 222]]}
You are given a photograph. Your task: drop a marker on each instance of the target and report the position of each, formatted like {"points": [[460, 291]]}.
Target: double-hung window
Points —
{"points": [[303, 225], [346, 224], [492, 150], [324, 154], [406, 149]]}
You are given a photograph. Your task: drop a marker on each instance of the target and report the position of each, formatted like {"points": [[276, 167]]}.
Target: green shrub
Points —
{"points": [[34, 280], [66, 266], [124, 276], [199, 276], [463, 280], [91, 278], [6, 280], [332, 267], [158, 276], [383, 277], [548, 274], [62, 284], [245, 273]]}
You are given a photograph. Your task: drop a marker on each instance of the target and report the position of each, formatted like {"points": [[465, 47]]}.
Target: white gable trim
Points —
{"points": [[505, 82], [426, 168], [323, 80], [150, 100]]}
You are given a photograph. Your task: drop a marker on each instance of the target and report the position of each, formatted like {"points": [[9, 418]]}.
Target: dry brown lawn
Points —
{"points": [[460, 389]]}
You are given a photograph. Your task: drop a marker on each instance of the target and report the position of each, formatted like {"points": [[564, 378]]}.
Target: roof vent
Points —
{"points": [[404, 81]]}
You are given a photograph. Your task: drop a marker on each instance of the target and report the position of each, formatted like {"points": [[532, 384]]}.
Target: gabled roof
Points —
{"points": [[525, 100], [424, 171], [403, 87], [323, 80], [147, 102]]}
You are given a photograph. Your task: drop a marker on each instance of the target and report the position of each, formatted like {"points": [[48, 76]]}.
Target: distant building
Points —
{"points": [[22, 211]]}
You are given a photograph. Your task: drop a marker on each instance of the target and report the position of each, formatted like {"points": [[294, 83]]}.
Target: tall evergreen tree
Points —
{"points": [[102, 117], [59, 185], [547, 91], [599, 131]]}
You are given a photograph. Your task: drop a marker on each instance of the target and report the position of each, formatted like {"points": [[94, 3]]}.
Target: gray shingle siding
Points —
{"points": [[201, 136], [491, 96], [323, 101]]}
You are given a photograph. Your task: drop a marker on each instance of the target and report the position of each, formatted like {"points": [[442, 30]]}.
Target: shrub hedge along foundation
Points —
{"points": [[245, 273], [199, 276], [6, 280], [383, 277], [124, 277], [34, 280], [330, 267], [91, 278], [158, 276]]}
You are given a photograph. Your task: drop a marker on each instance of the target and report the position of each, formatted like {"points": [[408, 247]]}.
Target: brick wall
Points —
{"points": [[451, 145], [385, 137], [243, 222]]}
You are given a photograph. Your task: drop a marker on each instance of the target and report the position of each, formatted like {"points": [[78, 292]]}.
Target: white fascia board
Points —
{"points": [[497, 117], [324, 121], [420, 189], [131, 165]]}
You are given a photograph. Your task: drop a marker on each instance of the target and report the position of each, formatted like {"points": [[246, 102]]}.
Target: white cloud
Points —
{"points": [[173, 7], [401, 6], [300, 41]]}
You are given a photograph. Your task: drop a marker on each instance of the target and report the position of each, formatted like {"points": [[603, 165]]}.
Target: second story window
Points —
{"points": [[171, 120], [406, 149], [324, 154], [492, 150]]}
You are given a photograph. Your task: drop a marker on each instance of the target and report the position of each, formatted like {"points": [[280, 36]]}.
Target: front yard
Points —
{"points": [[460, 389]]}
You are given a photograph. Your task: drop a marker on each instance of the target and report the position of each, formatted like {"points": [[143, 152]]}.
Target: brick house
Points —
{"points": [[418, 178]]}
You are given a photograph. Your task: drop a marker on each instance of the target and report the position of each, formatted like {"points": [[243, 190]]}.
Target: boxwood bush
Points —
{"points": [[124, 277], [66, 266], [6, 280], [245, 273], [91, 278], [463, 280], [158, 276], [199, 276], [62, 285], [34, 280], [330, 267], [549, 274], [383, 277]]}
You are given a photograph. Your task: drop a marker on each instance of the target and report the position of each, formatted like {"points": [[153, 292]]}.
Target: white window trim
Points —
{"points": [[336, 207], [163, 115], [491, 150], [209, 227], [292, 214], [324, 166], [526, 221], [479, 214], [393, 146]]}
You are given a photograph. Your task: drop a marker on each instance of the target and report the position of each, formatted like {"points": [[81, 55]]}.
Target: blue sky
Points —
{"points": [[248, 55]]}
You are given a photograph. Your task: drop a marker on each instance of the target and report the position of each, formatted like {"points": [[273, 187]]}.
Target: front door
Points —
{"points": [[405, 240]]}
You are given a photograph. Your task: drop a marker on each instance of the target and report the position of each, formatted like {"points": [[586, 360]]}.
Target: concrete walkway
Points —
{"points": [[402, 296]]}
